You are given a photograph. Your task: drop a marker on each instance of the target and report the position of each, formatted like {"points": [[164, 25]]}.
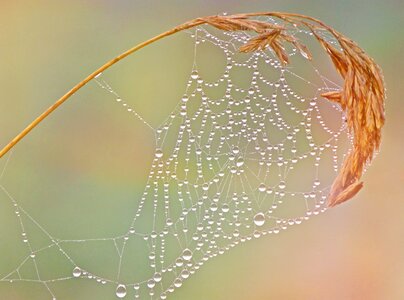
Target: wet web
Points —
{"points": [[248, 151]]}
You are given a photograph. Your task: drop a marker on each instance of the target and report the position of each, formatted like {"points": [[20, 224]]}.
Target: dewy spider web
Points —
{"points": [[237, 159]]}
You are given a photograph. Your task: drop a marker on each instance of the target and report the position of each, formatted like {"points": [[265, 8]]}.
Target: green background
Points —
{"points": [[354, 251]]}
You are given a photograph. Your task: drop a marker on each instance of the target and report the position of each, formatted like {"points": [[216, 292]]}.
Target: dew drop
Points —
{"points": [[151, 283], [205, 186], [157, 277], [304, 54], [240, 162], [177, 282], [194, 75], [120, 291], [213, 207], [76, 272], [259, 219], [169, 222], [179, 262], [159, 153], [262, 187], [187, 254]]}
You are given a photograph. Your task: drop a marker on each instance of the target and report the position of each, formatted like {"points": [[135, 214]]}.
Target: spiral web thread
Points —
{"points": [[220, 172]]}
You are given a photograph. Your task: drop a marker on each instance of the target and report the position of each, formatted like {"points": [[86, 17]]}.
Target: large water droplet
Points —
{"points": [[205, 186], [240, 162], [259, 219], [185, 98], [194, 74], [159, 153], [120, 291], [151, 283], [187, 254], [262, 187], [169, 222], [76, 272], [157, 277], [177, 282]]}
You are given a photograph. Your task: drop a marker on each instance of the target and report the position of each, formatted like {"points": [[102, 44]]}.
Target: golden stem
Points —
{"points": [[66, 96]]}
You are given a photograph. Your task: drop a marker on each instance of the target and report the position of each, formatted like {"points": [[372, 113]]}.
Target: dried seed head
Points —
{"points": [[238, 22], [362, 96], [275, 39]]}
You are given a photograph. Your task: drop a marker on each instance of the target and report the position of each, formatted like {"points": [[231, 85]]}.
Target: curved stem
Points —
{"points": [[110, 63]]}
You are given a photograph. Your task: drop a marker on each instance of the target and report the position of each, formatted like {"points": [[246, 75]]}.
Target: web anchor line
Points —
{"points": [[102, 83]]}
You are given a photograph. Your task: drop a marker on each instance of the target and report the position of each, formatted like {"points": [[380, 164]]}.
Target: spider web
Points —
{"points": [[248, 151]]}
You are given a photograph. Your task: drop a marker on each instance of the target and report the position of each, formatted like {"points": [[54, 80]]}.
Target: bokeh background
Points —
{"points": [[355, 251]]}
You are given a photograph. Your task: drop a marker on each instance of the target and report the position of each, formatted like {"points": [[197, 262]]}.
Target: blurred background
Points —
{"points": [[89, 147]]}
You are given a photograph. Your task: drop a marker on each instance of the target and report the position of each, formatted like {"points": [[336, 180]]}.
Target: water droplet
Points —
{"points": [[151, 283], [304, 54], [179, 262], [240, 162], [213, 207], [205, 186], [185, 274], [159, 153], [194, 74], [262, 187], [157, 277], [120, 291], [259, 219], [152, 255], [187, 254], [177, 282], [169, 222], [76, 272]]}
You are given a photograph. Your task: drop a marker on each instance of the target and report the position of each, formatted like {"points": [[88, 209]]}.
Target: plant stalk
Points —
{"points": [[90, 77]]}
